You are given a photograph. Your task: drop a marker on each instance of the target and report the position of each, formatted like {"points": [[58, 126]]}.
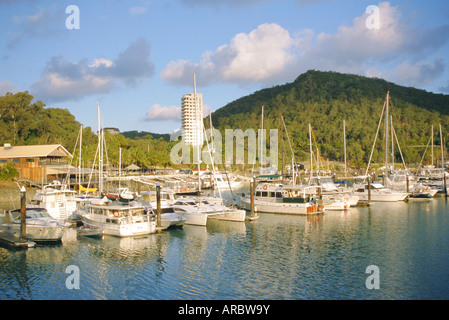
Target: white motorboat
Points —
{"points": [[284, 199], [121, 220], [169, 218], [199, 212], [379, 193], [40, 225], [56, 199]]}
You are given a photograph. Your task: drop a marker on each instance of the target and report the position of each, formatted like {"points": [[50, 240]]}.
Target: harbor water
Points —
{"points": [[277, 257]]}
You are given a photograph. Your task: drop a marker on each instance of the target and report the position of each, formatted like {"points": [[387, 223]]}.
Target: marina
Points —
{"points": [[286, 257]]}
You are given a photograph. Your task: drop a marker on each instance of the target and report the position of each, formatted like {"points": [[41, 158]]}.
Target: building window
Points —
{"points": [[16, 160], [30, 160], [3, 161]]}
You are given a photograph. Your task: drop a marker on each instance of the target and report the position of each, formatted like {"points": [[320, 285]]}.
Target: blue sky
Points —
{"points": [[137, 58]]}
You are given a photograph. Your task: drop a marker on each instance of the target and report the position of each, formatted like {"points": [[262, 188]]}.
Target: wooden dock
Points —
{"points": [[14, 242]]}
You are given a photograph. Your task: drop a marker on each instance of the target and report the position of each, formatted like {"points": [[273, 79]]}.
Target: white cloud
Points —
{"points": [[158, 112], [63, 80], [260, 55], [270, 54]]}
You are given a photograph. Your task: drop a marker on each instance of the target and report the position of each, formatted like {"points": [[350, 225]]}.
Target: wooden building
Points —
{"points": [[35, 162]]}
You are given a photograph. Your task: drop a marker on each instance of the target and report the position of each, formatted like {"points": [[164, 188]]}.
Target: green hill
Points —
{"points": [[325, 99]]}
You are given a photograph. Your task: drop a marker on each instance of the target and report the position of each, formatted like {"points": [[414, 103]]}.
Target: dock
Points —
{"points": [[10, 241]]}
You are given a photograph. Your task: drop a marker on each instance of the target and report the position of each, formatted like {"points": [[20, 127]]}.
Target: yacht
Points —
{"points": [[285, 199], [40, 225], [169, 218], [379, 193], [121, 220], [59, 201], [198, 212]]}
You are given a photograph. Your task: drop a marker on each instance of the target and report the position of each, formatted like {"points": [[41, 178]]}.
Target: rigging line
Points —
{"points": [[396, 137], [318, 160], [377, 132]]}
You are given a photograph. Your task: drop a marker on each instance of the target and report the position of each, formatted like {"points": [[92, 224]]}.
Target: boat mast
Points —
{"points": [[100, 155], [432, 144], [442, 155], [79, 161], [344, 147], [197, 130], [386, 138], [311, 152]]}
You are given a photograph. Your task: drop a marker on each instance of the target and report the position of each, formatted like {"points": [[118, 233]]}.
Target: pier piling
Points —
{"points": [[158, 205], [23, 225]]}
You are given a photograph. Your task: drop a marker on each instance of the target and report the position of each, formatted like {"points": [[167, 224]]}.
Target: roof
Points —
{"points": [[48, 150], [132, 167]]}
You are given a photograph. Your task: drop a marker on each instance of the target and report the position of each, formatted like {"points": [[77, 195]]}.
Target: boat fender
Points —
{"points": [[116, 214], [265, 187]]}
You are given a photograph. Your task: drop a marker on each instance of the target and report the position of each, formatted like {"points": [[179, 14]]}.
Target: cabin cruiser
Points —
{"points": [[169, 218], [285, 199], [121, 220], [56, 199], [197, 211], [379, 193], [40, 225]]}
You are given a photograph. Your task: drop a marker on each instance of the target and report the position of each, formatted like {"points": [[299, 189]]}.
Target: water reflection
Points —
{"points": [[274, 257]]}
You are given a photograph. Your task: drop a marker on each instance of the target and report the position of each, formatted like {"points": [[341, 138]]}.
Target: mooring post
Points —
{"points": [[158, 205], [369, 189], [23, 217], [407, 183], [252, 197]]}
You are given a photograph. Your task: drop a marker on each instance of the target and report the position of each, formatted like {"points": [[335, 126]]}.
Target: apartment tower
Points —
{"points": [[192, 118]]}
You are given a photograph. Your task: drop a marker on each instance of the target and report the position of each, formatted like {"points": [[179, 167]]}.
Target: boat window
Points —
{"points": [[264, 194], [258, 194], [278, 195]]}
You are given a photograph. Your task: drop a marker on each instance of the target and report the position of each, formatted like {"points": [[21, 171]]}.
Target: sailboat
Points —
{"points": [[378, 191]]}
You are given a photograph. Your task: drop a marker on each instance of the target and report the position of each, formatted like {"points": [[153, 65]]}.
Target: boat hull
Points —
{"points": [[282, 208], [35, 233], [134, 228]]}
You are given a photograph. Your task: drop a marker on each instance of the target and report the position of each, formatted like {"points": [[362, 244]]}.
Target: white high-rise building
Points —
{"points": [[192, 118]]}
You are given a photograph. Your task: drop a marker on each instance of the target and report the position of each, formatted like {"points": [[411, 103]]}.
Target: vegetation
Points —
{"points": [[325, 99], [24, 122]]}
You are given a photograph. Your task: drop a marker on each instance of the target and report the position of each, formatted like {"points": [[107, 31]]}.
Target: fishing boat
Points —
{"points": [[121, 220], [40, 225], [285, 199]]}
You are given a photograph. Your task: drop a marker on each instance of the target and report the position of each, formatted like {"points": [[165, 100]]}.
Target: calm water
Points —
{"points": [[276, 257]]}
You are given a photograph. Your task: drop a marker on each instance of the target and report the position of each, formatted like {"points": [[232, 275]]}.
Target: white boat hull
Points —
{"points": [[134, 228], [281, 208], [35, 233]]}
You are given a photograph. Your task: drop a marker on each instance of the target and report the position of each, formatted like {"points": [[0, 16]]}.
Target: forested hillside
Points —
{"points": [[325, 99], [24, 122]]}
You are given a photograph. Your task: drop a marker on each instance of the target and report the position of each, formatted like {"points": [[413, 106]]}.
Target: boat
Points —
{"points": [[88, 230], [56, 199], [40, 225], [125, 195], [378, 193], [169, 218], [334, 198], [198, 212], [285, 199], [121, 220]]}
